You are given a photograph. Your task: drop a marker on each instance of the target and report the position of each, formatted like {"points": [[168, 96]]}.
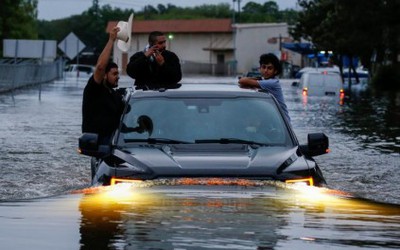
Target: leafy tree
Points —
{"points": [[17, 20], [149, 11], [252, 8], [270, 8], [268, 12], [89, 27], [354, 28], [172, 12], [391, 31]]}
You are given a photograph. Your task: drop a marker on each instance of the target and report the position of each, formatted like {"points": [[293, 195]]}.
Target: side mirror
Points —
{"points": [[89, 145], [318, 144]]}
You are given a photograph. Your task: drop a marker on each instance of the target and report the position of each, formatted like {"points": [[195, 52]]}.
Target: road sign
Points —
{"points": [[71, 46], [22, 48]]}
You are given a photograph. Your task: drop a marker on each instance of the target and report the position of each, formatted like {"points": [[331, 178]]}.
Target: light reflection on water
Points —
{"points": [[199, 217], [190, 217]]}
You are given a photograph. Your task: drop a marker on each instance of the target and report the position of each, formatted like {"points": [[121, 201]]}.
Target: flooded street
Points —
{"points": [[46, 203], [202, 217]]}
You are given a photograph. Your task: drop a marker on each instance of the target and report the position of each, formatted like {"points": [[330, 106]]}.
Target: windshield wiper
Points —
{"points": [[158, 140], [231, 140]]}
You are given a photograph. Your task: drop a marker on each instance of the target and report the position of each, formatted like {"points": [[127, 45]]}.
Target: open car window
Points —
{"points": [[189, 120]]}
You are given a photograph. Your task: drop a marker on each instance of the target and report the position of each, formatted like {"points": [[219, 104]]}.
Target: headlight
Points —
{"points": [[305, 181], [115, 181]]}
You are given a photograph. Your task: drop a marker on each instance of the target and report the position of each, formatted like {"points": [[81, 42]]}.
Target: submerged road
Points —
{"points": [[204, 217], [45, 204]]}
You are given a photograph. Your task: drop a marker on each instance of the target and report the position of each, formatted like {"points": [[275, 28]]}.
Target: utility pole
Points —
{"points": [[234, 20], [238, 18], [95, 6], [233, 11]]}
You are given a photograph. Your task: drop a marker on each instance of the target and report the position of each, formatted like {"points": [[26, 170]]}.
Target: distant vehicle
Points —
{"points": [[198, 131], [254, 73], [299, 73], [78, 71], [325, 83]]}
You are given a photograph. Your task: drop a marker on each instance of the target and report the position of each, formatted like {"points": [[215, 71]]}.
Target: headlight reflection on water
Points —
{"points": [[149, 192], [121, 191], [318, 194], [341, 202]]}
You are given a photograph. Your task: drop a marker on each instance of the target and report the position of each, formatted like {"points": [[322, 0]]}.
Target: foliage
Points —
{"points": [[90, 26], [172, 12], [17, 20], [268, 12], [353, 28]]}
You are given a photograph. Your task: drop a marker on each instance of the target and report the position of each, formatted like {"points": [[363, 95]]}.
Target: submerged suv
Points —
{"points": [[204, 131]]}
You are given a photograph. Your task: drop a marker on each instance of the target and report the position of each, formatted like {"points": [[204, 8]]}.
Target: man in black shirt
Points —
{"points": [[155, 67], [102, 106]]}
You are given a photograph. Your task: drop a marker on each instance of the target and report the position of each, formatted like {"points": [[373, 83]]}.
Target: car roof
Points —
{"points": [[203, 90], [323, 73]]}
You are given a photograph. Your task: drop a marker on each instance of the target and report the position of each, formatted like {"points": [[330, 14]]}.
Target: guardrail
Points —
{"points": [[14, 75]]}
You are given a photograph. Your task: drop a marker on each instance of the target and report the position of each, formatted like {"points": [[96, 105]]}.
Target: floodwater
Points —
{"points": [[47, 202]]}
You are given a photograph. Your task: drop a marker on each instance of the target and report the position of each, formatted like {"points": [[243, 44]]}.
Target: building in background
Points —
{"points": [[254, 39], [211, 46]]}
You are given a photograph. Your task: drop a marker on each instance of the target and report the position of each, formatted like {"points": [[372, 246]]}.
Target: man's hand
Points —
{"points": [[113, 33], [159, 58], [153, 51]]}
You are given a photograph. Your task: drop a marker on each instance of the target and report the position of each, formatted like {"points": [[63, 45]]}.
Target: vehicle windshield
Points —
{"points": [[255, 121]]}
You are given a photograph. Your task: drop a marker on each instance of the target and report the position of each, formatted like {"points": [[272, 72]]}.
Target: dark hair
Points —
{"points": [[110, 66], [153, 36], [272, 59]]}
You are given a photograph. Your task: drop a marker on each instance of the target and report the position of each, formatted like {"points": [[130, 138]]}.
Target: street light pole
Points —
{"points": [[234, 63], [233, 14], [233, 11], [238, 17]]}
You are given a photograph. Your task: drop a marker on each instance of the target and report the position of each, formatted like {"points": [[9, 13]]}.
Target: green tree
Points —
{"points": [[89, 27], [364, 29], [265, 13], [17, 20]]}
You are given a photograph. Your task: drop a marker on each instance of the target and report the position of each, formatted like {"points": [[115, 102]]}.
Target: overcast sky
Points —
{"points": [[56, 9]]}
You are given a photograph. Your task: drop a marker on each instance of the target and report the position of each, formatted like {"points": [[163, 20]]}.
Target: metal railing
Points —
{"points": [[19, 74]]}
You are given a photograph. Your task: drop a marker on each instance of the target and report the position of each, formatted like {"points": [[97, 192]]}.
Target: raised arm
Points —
{"points": [[249, 82], [104, 57]]}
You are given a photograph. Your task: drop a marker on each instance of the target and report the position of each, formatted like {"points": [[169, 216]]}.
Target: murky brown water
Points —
{"points": [[38, 160]]}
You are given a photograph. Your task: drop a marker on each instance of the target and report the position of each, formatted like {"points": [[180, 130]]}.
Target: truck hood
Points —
{"points": [[207, 160]]}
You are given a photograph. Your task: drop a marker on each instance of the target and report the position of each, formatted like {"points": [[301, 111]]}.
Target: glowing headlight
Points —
{"points": [[115, 181], [305, 181]]}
